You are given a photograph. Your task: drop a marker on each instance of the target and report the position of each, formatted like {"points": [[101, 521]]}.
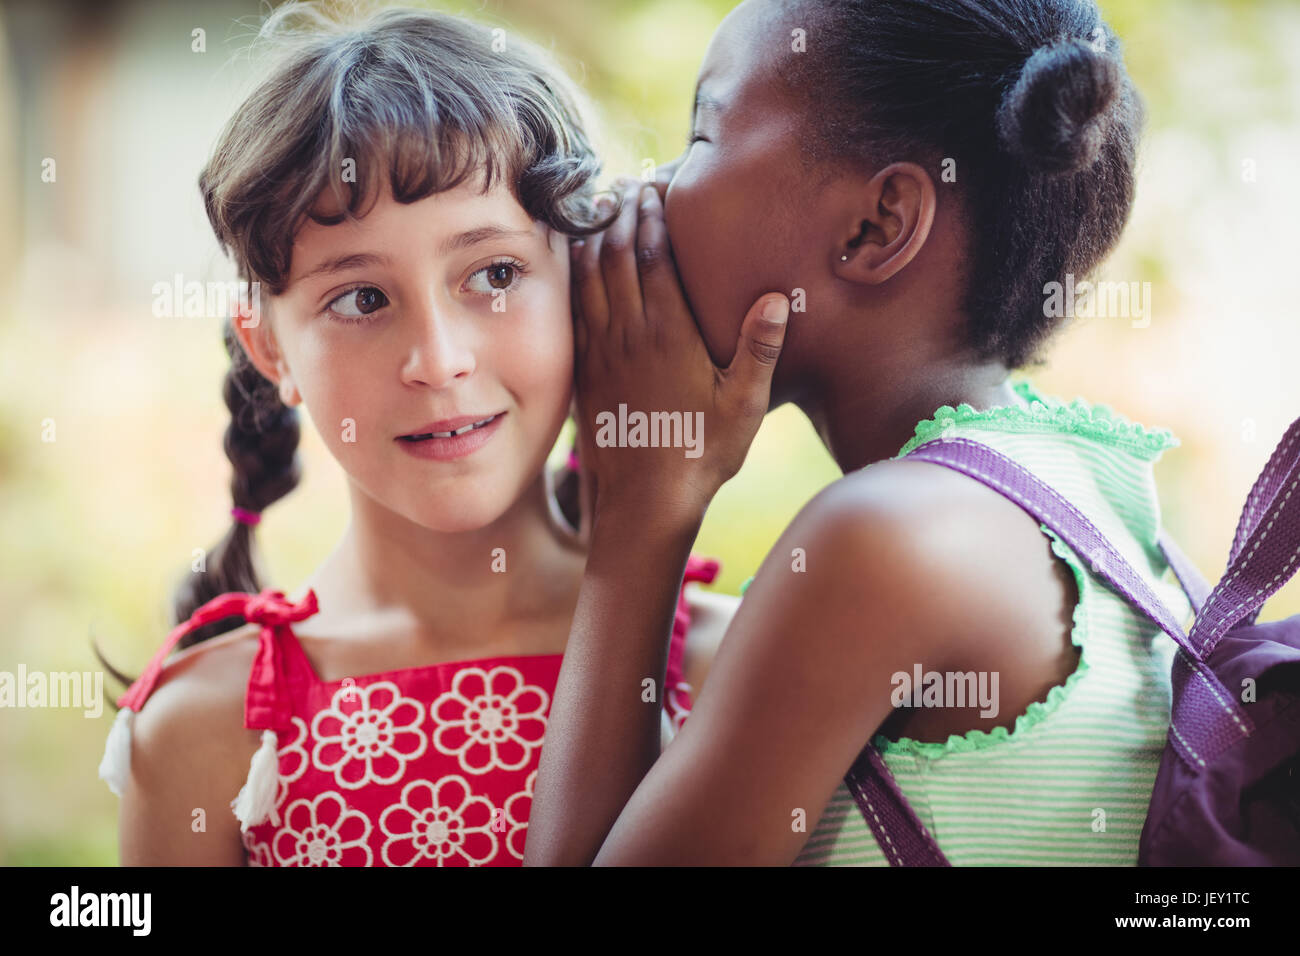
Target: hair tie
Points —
{"points": [[572, 463], [246, 517]]}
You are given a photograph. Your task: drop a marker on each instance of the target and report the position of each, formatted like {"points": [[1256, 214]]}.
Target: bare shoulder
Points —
{"points": [[976, 570], [190, 752], [206, 680], [955, 554]]}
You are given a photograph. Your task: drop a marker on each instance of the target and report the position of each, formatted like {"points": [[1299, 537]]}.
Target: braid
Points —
{"points": [[262, 445]]}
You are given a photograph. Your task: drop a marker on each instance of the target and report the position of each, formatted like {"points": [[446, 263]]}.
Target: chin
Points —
{"points": [[459, 515]]}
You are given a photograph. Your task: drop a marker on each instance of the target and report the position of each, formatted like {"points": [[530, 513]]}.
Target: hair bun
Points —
{"points": [[1055, 117]]}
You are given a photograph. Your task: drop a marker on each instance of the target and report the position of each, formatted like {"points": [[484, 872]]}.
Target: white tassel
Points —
{"points": [[115, 768], [256, 799]]}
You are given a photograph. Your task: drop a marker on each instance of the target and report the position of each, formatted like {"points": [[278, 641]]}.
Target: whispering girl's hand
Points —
{"points": [[642, 374], [644, 377]]}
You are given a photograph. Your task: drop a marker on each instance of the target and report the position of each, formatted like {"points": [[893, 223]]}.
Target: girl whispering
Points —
{"points": [[402, 189], [821, 136]]}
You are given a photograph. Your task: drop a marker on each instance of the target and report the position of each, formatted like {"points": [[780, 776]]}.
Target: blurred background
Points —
{"points": [[96, 526]]}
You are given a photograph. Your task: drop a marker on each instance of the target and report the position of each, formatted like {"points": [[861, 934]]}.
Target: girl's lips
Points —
{"points": [[444, 427], [456, 446]]}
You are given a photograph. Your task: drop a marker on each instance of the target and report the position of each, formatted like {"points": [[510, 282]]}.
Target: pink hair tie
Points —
{"points": [[573, 461], [246, 517]]}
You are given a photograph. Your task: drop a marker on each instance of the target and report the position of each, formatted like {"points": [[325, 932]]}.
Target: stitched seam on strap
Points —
{"points": [[1251, 502], [883, 832], [1174, 730], [1222, 626]]}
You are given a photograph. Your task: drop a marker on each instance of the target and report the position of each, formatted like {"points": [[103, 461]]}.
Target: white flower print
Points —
{"points": [[368, 734], [517, 809], [323, 832], [438, 824], [490, 719]]}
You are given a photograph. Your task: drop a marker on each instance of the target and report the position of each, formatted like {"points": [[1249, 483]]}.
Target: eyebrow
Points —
{"points": [[462, 240], [356, 260], [472, 237]]}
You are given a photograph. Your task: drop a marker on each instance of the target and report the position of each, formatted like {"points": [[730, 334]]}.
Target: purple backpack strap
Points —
{"points": [[1207, 718], [899, 833], [1265, 550]]}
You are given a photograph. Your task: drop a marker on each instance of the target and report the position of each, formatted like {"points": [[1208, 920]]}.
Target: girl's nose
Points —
{"points": [[440, 355], [664, 175]]}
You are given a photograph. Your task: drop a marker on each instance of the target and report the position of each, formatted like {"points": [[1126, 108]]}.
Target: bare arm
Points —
{"points": [[600, 703], [647, 506], [189, 756]]}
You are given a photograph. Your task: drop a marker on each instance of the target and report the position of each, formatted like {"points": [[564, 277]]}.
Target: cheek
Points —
{"points": [[337, 386], [532, 350], [707, 224]]}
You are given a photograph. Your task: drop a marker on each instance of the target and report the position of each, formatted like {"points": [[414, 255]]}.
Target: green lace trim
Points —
{"points": [[1098, 422], [1037, 712]]}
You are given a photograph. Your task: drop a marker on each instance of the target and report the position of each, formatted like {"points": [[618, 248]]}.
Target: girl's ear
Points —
{"points": [[886, 230], [257, 339]]}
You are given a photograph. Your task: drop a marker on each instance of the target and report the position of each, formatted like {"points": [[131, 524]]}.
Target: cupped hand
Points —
{"points": [[660, 427]]}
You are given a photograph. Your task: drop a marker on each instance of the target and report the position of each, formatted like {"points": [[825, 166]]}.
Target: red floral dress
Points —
{"points": [[426, 766]]}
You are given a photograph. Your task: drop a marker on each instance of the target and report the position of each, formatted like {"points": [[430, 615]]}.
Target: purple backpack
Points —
{"points": [[1227, 792]]}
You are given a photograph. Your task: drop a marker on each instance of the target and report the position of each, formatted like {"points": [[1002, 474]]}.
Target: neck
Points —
{"points": [[867, 415], [392, 572]]}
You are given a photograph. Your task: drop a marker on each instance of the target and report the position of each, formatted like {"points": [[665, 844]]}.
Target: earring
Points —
{"points": [[287, 392], [857, 240]]}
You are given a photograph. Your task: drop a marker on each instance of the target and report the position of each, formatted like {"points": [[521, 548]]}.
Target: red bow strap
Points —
{"points": [[269, 608]]}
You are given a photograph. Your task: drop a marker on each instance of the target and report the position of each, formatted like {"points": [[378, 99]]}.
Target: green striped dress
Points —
{"points": [[1070, 782]]}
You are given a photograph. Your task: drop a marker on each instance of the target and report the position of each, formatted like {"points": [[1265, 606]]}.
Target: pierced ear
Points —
{"points": [[900, 204]]}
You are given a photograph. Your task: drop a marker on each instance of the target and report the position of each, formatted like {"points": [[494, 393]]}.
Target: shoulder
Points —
{"points": [[206, 680], [190, 750], [884, 569], [913, 548]]}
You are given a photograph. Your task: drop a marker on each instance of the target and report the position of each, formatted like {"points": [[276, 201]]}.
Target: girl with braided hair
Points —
{"points": [[403, 188]]}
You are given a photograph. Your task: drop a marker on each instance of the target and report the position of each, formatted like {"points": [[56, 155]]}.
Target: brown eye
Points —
{"points": [[358, 302], [499, 277], [369, 299]]}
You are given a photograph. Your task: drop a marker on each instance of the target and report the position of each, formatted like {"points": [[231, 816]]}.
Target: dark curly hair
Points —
{"points": [[1032, 101]]}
